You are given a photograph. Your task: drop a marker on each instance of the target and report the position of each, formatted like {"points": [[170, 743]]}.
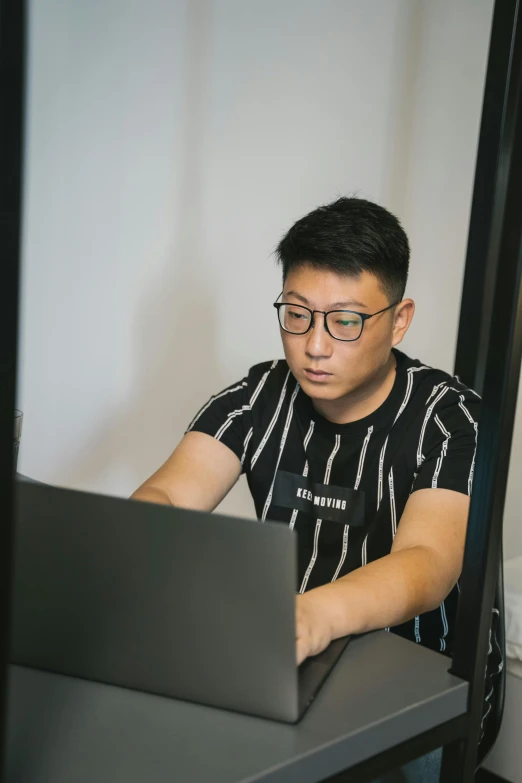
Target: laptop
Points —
{"points": [[185, 604]]}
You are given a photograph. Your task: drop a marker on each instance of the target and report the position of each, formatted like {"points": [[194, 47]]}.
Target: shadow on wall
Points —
{"points": [[174, 332], [175, 355]]}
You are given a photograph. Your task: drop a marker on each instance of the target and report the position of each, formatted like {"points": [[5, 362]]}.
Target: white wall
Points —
{"points": [[170, 144]]}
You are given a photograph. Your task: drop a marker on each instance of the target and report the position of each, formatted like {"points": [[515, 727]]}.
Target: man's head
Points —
{"points": [[349, 255]]}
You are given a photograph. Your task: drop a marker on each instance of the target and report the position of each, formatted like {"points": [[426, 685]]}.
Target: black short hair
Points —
{"points": [[350, 236]]}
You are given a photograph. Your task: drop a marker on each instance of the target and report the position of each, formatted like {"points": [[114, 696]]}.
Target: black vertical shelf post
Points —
{"points": [[12, 104], [488, 356], [481, 265]]}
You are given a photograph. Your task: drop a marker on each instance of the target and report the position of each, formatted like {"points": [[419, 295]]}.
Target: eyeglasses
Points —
{"points": [[345, 325]]}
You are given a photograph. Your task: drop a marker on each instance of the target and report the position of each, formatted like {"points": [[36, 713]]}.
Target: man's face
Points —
{"points": [[326, 368]]}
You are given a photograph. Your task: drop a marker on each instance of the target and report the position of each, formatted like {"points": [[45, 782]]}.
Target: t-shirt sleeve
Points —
{"points": [[227, 417], [447, 447]]}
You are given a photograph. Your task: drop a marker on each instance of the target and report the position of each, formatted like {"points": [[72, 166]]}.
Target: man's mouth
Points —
{"points": [[317, 375]]}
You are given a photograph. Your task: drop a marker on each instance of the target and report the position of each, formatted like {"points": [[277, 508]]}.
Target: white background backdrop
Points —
{"points": [[170, 145]]}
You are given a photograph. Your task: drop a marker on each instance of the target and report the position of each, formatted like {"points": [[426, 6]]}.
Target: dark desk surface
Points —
{"points": [[383, 691]]}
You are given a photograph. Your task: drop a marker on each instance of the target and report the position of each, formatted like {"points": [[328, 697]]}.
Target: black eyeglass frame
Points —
{"points": [[363, 316]]}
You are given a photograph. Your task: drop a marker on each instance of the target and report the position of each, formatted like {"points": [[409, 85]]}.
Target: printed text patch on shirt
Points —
{"points": [[324, 501]]}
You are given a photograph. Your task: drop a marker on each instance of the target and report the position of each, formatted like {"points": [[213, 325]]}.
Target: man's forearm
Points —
{"points": [[384, 593]]}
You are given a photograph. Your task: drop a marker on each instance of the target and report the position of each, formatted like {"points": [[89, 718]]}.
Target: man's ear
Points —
{"points": [[402, 319]]}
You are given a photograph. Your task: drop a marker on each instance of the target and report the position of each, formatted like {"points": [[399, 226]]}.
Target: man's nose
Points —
{"points": [[319, 342]]}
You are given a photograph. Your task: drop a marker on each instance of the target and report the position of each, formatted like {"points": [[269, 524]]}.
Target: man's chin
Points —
{"points": [[321, 391]]}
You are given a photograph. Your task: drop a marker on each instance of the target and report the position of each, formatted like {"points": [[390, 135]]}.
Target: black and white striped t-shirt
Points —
{"points": [[343, 487]]}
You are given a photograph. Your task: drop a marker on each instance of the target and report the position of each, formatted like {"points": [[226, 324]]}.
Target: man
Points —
{"points": [[366, 453]]}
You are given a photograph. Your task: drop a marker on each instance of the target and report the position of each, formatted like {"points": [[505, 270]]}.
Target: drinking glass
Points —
{"points": [[18, 416]]}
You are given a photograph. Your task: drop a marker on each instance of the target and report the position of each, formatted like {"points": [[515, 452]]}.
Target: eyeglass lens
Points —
{"points": [[342, 325]]}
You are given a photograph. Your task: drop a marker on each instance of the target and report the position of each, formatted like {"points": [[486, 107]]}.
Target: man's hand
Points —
{"points": [[313, 627], [424, 564]]}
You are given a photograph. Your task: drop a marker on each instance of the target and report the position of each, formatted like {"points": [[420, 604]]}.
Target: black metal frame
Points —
{"points": [[481, 266], [481, 271], [498, 361], [12, 78]]}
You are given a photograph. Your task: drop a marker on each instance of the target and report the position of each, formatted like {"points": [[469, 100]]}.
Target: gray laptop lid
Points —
{"points": [[175, 602]]}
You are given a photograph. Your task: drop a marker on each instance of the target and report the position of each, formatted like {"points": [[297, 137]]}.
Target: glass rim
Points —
{"points": [[280, 316], [18, 421]]}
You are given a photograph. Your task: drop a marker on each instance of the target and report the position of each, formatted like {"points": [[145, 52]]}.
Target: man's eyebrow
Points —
{"points": [[333, 306]]}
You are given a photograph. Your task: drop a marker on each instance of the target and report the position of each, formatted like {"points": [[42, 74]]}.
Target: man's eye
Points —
{"points": [[296, 315]]}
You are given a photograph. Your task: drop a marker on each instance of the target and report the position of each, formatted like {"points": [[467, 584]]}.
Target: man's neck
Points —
{"points": [[363, 401]]}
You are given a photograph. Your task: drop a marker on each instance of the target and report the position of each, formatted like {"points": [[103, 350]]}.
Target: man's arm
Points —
{"points": [[421, 569], [198, 475]]}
